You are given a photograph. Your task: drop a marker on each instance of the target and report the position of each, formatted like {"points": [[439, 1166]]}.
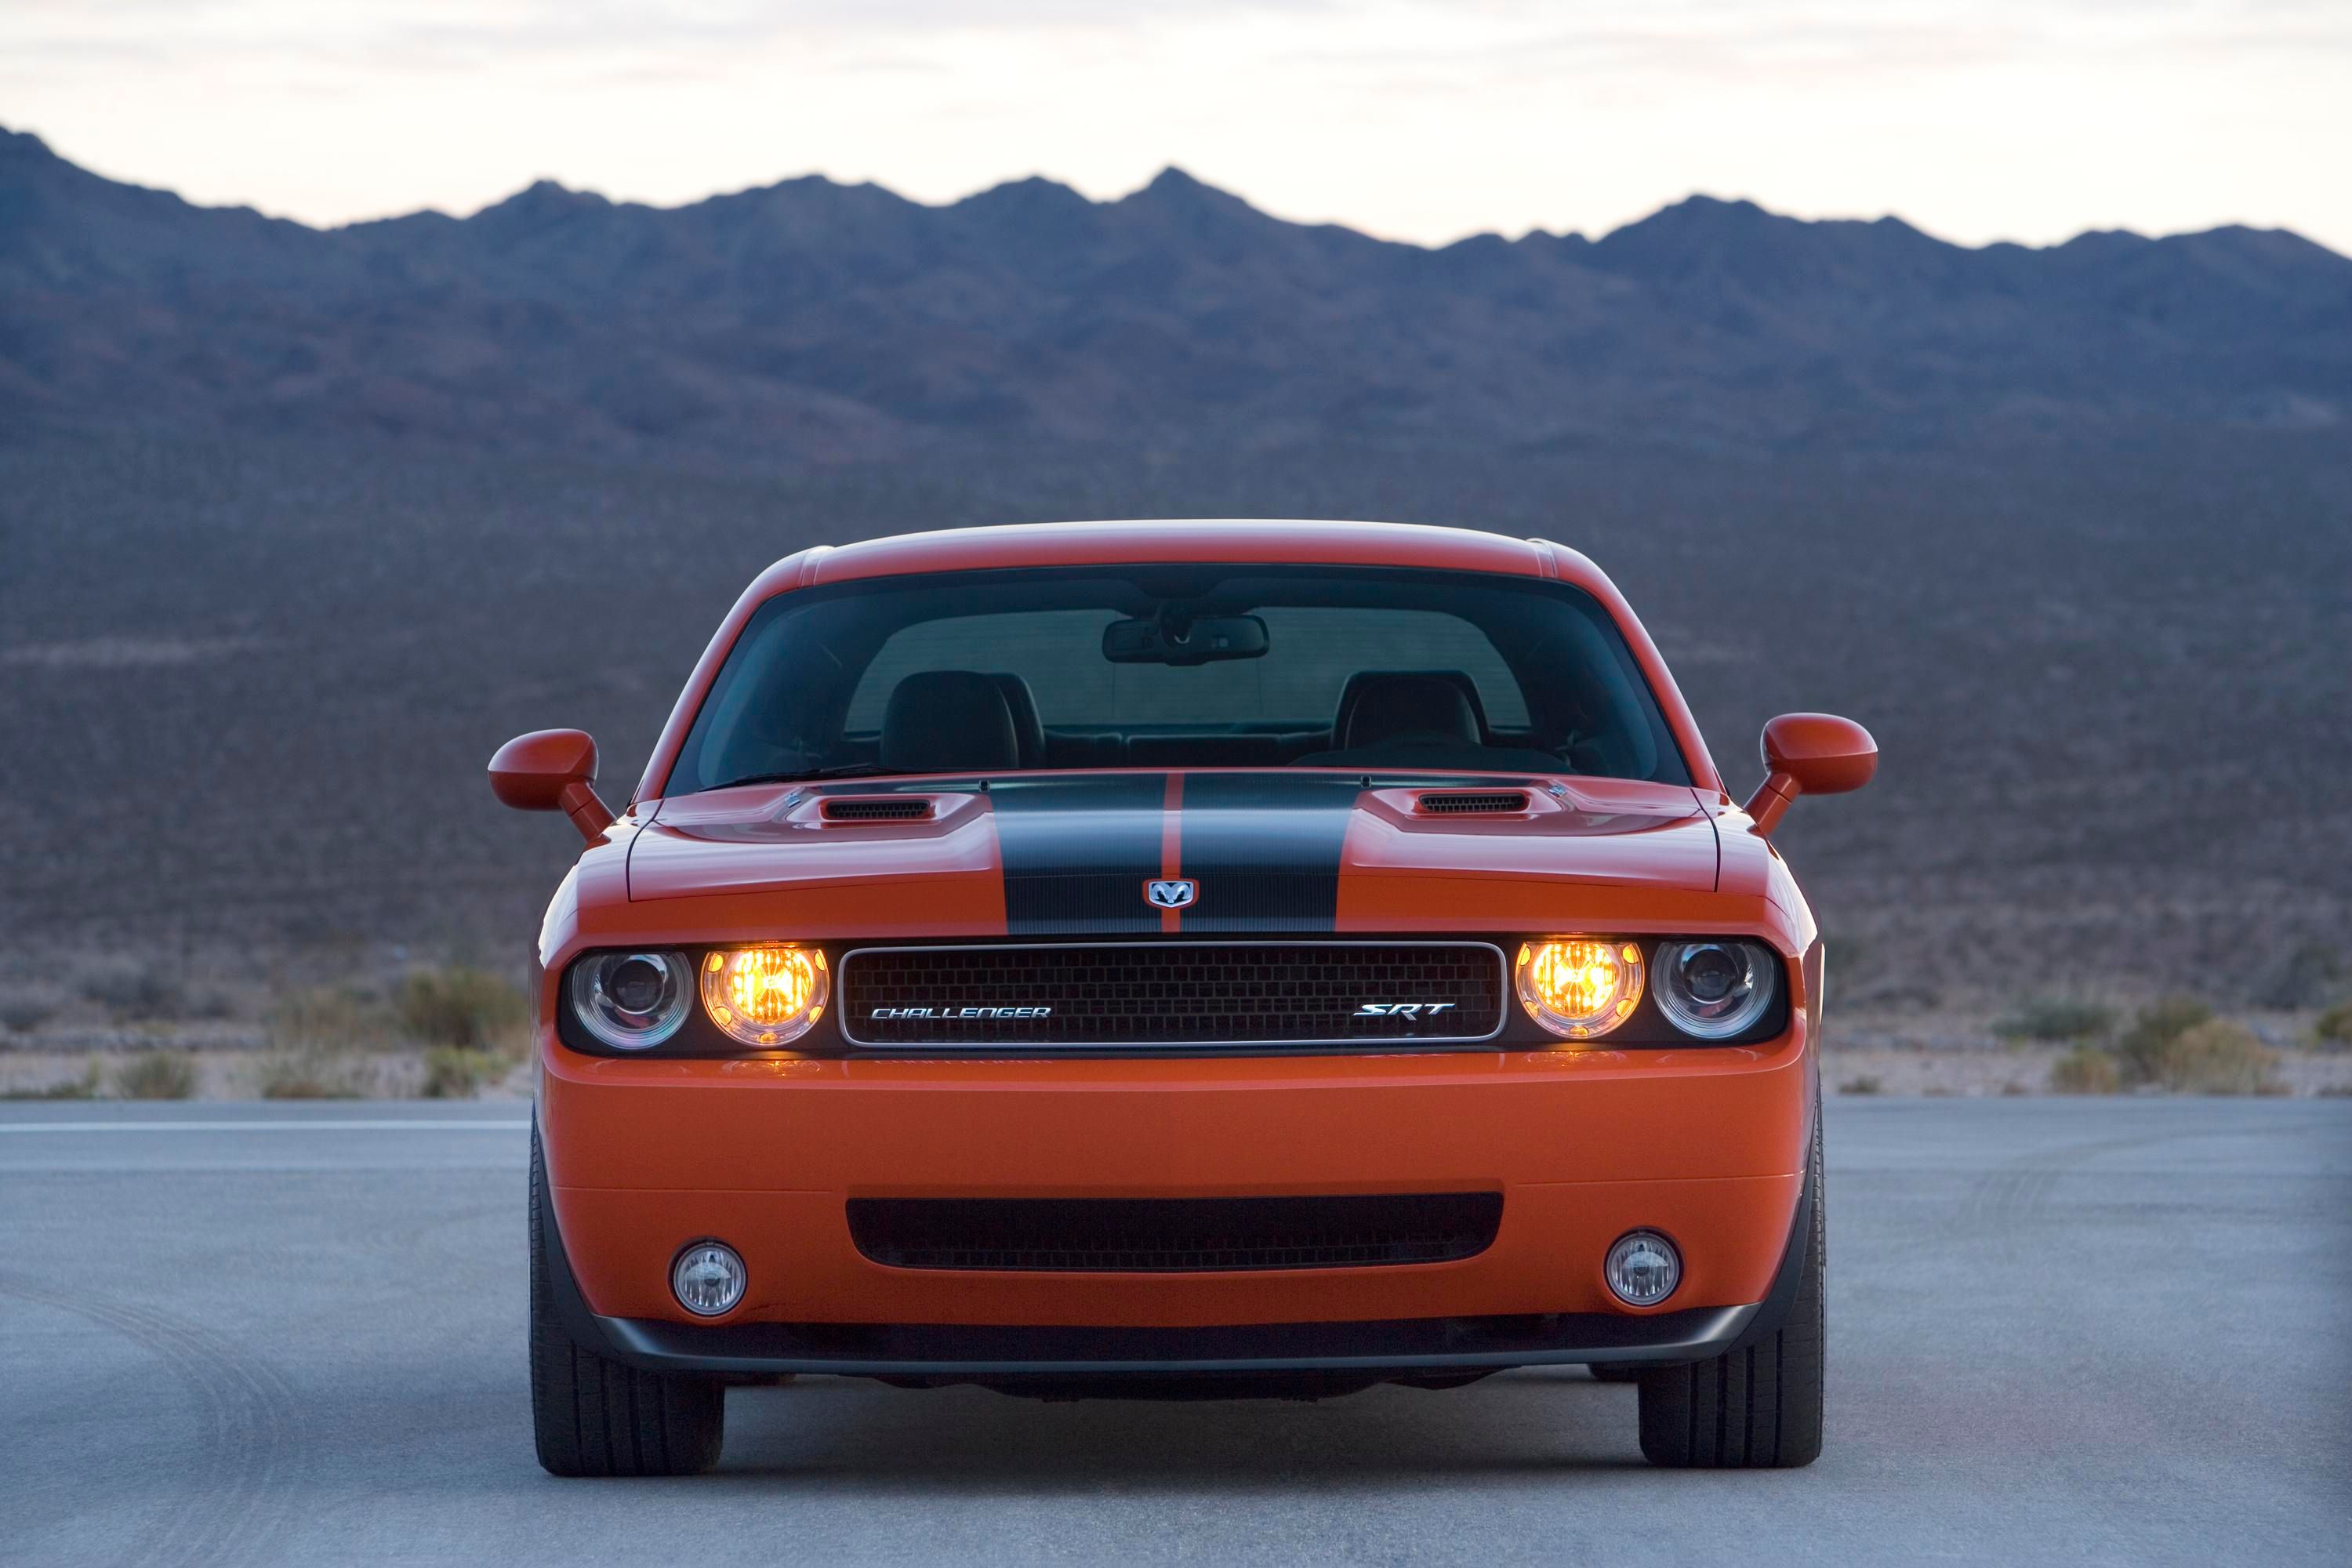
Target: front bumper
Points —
{"points": [[1707, 1146]]}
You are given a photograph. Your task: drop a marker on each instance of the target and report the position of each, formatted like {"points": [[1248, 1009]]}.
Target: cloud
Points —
{"points": [[1422, 118]]}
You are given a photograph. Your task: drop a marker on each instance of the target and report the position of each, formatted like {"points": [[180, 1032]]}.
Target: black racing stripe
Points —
{"points": [[1264, 848], [1077, 852]]}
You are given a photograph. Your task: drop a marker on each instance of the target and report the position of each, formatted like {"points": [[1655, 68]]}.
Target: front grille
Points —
{"points": [[880, 810], [1499, 801], [1173, 1236], [1172, 994]]}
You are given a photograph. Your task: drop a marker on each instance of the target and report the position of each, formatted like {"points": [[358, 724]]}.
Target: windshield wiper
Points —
{"points": [[840, 771]]}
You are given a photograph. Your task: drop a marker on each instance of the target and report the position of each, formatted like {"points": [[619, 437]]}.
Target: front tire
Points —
{"points": [[1758, 1407], [592, 1415]]}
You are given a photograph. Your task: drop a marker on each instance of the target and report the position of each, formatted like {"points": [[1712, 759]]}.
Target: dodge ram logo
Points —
{"points": [[1172, 894]]}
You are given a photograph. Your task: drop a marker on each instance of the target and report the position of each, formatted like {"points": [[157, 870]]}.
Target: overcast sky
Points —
{"points": [[1423, 119]]}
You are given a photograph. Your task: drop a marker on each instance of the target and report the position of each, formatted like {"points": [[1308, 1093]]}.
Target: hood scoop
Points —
{"points": [[878, 808], [1471, 803]]}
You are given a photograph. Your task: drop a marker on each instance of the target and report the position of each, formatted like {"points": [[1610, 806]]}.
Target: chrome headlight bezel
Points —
{"points": [[797, 969], [598, 988], [1608, 998], [1694, 1006]]}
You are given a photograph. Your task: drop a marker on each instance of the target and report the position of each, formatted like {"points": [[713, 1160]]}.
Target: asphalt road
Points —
{"points": [[2079, 1332]]}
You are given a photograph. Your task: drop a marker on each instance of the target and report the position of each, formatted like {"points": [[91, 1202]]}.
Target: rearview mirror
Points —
{"points": [[1192, 642], [1810, 754], [552, 770]]}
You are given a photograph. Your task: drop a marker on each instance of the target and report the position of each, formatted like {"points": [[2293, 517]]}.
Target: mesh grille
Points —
{"points": [[876, 810], [1499, 801], [1171, 993], [1174, 1235]]}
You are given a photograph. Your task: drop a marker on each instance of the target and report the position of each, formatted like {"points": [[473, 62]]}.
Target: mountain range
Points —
{"points": [[812, 320]]}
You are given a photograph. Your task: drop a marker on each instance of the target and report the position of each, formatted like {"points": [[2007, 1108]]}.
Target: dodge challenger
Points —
{"points": [[1167, 960]]}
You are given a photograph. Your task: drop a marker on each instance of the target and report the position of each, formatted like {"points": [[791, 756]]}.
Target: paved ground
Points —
{"points": [[2078, 1331]]}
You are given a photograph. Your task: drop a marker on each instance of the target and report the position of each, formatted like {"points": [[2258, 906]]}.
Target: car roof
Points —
{"points": [[1222, 540]]}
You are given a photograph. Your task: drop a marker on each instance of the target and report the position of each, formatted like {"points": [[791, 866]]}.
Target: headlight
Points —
{"points": [[631, 1001], [1714, 989], [1579, 986], [765, 995]]}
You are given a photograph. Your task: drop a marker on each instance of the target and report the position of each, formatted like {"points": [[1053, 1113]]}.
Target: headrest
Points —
{"points": [[1027, 728], [1352, 693], [948, 721], [1421, 707]]}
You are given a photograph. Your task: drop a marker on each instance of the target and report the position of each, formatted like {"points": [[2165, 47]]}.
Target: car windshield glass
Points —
{"points": [[1370, 669]]}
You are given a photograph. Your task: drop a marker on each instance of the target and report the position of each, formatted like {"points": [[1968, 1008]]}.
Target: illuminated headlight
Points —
{"points": [[1579, 986], [1714, 989], [766, 996], [631, 1001]]}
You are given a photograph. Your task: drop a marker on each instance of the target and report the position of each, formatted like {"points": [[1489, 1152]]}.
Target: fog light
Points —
{"points": [[1644, 1268], [708, 1278]]}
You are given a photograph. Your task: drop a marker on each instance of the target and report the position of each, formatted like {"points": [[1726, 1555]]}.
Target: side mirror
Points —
{"points": [[1810, 754], [552, 770]]}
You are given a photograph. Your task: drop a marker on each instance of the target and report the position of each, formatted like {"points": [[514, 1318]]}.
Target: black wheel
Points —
{"points": [[1758, 1407], [1614, 1371], [594, 1417]]}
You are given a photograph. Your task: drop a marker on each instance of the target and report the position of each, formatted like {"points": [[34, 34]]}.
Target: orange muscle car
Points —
{"points": [[1168, 959]]}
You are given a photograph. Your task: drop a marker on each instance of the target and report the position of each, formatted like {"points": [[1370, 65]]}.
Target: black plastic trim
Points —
{"points": [[973, 1350]]}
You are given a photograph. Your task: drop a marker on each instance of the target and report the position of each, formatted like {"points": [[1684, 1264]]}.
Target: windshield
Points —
{"points": [[1369, 669]]}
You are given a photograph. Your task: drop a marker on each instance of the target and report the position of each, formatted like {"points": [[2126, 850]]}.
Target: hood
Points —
{"points": [[1239, 852]]}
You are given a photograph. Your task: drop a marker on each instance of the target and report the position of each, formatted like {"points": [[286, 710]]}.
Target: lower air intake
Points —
{"points": [[1174, 1236]]}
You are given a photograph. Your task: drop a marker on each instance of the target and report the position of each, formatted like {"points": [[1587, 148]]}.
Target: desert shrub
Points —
{"points": [[326, 1017], [458, 1072], [136, 991], [82, 1088], [23, 1014], [156, 1075], [2055, 1018], [2086, 1069], [2306, 977], [311, 1072], [461, 1007], [2333, 1027], [2216, 1057], [212, 1006], [1861, 1083], [2151, 1032]]}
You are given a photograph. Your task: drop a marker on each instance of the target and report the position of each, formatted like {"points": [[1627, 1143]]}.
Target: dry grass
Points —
{"points": [[2217, 1056], [312, 1072], [156, 1075], [86, 1087], [332, 1016], [458, 1072], [458, 1007], [2086, 1069], [2140, 1049]]}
